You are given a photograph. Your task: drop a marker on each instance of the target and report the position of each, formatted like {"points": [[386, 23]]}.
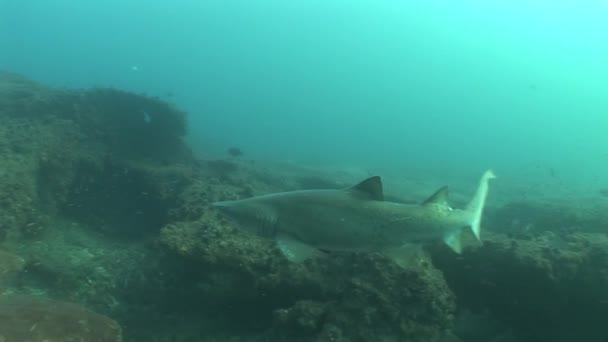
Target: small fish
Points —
{"points": [[356, 219], [235, 152]]}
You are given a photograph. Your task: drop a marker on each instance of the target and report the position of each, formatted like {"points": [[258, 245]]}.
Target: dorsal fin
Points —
{"points": [[370, 188], [440, 197]]}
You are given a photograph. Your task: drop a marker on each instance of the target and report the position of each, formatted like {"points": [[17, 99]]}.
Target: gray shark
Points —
{"points": [[357, 218]]}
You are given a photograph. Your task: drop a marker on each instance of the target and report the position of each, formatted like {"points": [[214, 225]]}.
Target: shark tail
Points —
{"points": [[475, 207]]}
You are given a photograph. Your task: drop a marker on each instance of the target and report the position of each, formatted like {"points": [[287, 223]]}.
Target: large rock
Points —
{"points": [[545, 287], [344, 297], [10, 263], [32, 319]]}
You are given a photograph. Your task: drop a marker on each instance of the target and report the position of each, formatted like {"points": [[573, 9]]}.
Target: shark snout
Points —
{"points": [[224, 206], [247, 211], [235, 209], [229, 209]]}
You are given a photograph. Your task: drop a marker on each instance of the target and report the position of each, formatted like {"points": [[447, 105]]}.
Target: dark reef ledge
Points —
{"points": [[539, 287]]}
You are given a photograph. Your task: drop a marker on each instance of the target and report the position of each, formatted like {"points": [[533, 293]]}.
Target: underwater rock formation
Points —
{"points": [[545, 287], [83, 167], [10, 263], [28, 318], [103, 161], [109, 208], [345, 297], [60, 149]]}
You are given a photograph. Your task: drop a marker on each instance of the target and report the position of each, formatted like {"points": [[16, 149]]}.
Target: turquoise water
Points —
{"points": [[101, 203], [514, 85]]}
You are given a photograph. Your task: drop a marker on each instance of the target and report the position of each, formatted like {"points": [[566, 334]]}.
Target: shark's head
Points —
{"points": [[251, 215], [237, 210]]}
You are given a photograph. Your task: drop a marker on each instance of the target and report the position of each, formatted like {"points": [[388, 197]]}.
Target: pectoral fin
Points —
{"points": [[295, 250], [453, 241], [406, 255]]}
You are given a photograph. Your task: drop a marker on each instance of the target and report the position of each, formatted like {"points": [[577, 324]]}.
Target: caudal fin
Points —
{"points": [[475, 207]]}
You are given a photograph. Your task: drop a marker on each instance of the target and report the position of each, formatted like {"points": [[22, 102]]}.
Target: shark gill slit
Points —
{"points": [[267, 229]]}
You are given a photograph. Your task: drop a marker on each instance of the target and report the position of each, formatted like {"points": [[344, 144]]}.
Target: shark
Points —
{"points": [[309, 223]]}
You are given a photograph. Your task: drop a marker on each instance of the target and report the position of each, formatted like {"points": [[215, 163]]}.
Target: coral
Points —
{"points": [[27, 318]]}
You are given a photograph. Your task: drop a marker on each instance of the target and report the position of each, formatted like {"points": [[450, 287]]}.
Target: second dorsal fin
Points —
{"points": [[370, 188], [440, 197]]}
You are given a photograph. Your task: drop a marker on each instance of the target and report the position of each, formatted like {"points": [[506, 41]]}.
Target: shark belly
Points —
{"points": [[365, 226]]}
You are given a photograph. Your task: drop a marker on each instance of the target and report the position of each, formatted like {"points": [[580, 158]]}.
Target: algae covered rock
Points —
{"points": [[344, 297], [131, 125], [114, 163], [10, 263], [562, 278], [64, 150], [253, 291], [367, 297], [26, 318]]}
